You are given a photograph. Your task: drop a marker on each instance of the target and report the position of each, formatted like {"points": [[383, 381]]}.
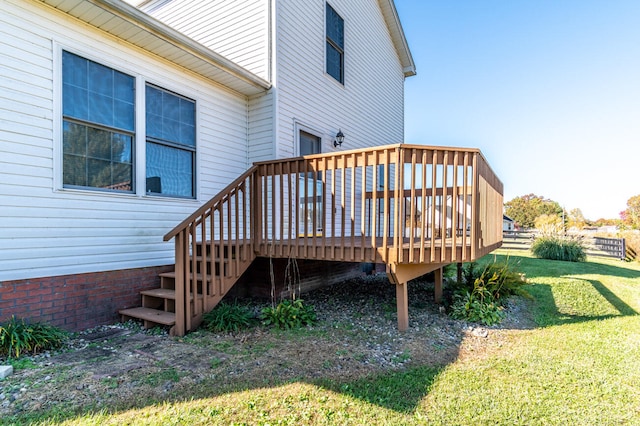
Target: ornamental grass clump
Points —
{"points": [[557, 248], [18, 337]]}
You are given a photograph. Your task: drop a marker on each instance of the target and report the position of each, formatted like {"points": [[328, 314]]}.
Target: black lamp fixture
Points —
{"points": [[339, 139]]}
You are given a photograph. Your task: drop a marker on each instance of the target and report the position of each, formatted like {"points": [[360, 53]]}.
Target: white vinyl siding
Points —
{"points": [[261, 122], [46, 230], [369, 108], [238, 30]]}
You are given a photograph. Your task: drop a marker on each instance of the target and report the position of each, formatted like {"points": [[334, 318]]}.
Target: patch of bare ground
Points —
{"points": [[121, 366]]}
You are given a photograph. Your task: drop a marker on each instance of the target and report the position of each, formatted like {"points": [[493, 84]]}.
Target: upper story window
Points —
{"points": [[335, 44], [98, 108], [99, 129]]}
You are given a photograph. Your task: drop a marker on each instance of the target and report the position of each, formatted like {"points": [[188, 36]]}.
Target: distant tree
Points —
{"points": [[576, 219], [550, 225], [631, 216], [525, 209]]}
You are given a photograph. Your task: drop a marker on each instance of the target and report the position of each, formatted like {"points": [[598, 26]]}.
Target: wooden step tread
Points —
{"points": [[173, 275], [153, 315], [162, 293]]}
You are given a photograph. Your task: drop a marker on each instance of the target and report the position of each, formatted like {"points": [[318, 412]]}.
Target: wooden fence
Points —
{"points": [[595, 246]]}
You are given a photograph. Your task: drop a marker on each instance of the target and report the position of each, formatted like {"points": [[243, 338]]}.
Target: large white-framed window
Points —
{"points": [[100, 126], [334, 50]]}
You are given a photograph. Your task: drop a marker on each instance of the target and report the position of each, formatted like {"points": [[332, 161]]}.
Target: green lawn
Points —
{"points": [[579, 366]]}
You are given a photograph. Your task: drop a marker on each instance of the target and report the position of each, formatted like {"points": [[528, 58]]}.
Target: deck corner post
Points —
{"points": [[402, 301], [437, 276]]}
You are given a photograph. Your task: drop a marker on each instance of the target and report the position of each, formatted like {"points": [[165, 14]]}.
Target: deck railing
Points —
{"points": [[402, 204]]}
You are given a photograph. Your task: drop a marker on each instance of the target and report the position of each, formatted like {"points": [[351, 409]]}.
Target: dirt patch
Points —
{"points": [[121, 366]]}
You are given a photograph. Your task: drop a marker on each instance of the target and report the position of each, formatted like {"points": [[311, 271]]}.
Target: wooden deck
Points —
{"points": [[414, 208]]}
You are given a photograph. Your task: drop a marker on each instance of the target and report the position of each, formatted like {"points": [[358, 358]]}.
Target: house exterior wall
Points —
{"points": [[62, 250], [368, 108], [46, 230], [238, 30]]}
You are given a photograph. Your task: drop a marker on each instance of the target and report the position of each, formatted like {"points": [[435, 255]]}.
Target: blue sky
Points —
{"points": [[549, 90]]}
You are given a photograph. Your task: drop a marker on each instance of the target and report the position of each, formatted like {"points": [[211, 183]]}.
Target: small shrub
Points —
{"points": [[504, 280], [468, 307], [554, 248], [18, 337], [289, 314], [481, 304], [478, 298], [228, 317]]}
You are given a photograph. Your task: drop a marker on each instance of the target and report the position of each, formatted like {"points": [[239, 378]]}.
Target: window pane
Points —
{"points": [[98, 173], [96, 93], [124, 115], [97, 158], [334, 63], [74, 70], [100, 109], [74, 140], [100, 79], [169, 170], [74, 170], [99, 144], [75, 101], [169, 117], [335, 27]]}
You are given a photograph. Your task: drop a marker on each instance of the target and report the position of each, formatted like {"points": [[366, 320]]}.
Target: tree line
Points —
{"points": [[534, 211]]}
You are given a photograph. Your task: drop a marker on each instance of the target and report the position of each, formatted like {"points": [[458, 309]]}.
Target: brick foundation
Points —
{"points": [[77, 302]]}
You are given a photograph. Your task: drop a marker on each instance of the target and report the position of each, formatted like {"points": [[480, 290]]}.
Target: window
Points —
{"points": [[171, 143], [98, 150], [335, 44], [98, 107]]}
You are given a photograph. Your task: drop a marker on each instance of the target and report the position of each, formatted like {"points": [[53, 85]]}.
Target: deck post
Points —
{"points": [[437, 276], [180, 284], [402, 301]]}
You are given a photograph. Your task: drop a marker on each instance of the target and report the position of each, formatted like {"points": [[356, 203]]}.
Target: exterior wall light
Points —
{"points": [[339, 139]]}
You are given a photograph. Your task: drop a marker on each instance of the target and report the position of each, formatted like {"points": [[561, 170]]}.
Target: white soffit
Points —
{"points": [[390, 14], [136, 27]]}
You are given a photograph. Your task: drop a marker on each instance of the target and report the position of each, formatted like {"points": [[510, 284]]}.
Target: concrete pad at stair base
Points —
{"points": [[5, 371]]}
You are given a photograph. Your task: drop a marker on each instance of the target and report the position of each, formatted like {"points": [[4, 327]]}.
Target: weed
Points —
{"points": [[164, 375], [401, 358], [215, 363]]}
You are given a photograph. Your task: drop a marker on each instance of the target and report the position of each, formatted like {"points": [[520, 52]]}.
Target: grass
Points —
{"points": [[579, 365]]}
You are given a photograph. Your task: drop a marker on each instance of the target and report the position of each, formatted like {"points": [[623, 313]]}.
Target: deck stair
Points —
{"points": [[413, 208], [159, 304]]}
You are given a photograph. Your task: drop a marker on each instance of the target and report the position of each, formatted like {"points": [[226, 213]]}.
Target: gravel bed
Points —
{"points": [[122, 365]]}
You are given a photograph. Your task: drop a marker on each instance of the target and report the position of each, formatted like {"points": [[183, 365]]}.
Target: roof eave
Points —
{"points": [[138, 28], [392, 20]]}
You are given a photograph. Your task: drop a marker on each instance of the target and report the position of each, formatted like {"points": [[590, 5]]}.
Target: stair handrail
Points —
{"points": [[211, 204]]}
